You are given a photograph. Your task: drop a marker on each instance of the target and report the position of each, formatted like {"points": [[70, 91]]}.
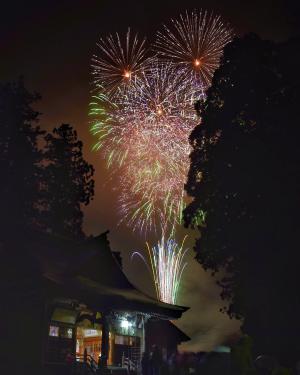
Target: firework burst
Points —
{"points": [[167, 263], [142, 115], [194, 43], [144, 133], [119, 61]]}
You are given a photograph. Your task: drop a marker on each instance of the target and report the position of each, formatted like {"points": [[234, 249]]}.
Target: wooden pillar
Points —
{"points": [[105, 340]]}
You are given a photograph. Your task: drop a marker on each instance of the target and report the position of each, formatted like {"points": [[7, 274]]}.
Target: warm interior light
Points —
{"points": [[159, 111]]}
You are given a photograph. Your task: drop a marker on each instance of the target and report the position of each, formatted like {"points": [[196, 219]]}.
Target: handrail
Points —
{"points": [[131, 365], [89, 360]]}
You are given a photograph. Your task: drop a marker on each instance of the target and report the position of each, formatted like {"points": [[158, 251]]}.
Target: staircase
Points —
{"points": [[135, 357], [85, 365]]}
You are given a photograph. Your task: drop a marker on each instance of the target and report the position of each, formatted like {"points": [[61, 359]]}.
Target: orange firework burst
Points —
{"points": [[194, 42], [118, 62]]}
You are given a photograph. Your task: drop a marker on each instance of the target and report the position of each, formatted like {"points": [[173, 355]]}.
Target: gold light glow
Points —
{"points": [[197, 63], [127, 74]]}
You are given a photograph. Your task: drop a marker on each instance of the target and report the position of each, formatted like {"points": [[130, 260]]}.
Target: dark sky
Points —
{"points": [[51, 42]]}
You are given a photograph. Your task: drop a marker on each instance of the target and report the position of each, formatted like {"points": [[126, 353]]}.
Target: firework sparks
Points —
{"points": [[194, 42], [143, 113], [162, 114], [119, 62], [167, 264], [145, 134]]}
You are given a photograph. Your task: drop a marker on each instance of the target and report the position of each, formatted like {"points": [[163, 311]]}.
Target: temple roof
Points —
{"points": [[87, 271]]}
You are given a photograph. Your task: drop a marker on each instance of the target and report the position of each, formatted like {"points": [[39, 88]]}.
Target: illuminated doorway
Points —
{"points": [[90, 339]]}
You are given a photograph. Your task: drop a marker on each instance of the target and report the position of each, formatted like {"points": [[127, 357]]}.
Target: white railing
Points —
{"points": [[127, 362]]}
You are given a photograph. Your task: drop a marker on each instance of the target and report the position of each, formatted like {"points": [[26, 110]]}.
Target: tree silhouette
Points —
{"points": [[19, 159], [44, 177], [244, 176], [67, 183]]}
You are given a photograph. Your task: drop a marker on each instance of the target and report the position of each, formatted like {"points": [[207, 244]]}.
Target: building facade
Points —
{"points": [[70, 300]]}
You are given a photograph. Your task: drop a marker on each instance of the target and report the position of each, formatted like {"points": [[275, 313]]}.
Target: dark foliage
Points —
{"points": [[67, 183], [44, 177], [244, 176], [19, 159]]}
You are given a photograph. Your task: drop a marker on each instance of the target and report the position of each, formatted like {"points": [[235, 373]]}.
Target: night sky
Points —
{"points": [[51, 42]]}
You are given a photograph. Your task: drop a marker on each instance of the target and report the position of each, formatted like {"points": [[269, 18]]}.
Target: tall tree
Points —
{"points": [[67, 183], [244, 177], [19, 159]]}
